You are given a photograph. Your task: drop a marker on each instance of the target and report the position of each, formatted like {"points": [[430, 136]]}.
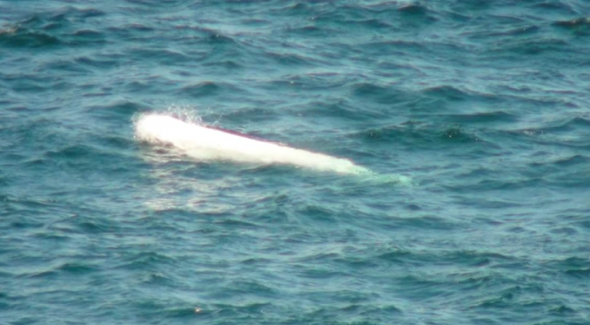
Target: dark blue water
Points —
{"points": [[485, 105]]}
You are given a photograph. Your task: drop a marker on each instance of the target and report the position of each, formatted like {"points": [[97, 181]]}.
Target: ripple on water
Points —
{"points": [[578, 26]]}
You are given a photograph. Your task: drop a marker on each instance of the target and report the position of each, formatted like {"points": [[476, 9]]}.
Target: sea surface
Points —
{"points": [[483, 105]]}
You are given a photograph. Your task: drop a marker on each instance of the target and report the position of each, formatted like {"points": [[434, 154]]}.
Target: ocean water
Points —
{"points": [[483, 105]]}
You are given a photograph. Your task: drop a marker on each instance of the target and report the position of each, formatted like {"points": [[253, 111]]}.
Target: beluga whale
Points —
{"points": [[209, 144]]}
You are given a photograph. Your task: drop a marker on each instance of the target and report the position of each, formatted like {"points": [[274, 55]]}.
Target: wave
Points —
{"points": [[368, 91], [572, 132], [490, 118], [67, 27], [419, 135], [18, 37], [579, 26]]}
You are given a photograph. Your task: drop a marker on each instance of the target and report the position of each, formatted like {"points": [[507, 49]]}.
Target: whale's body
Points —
{"points": [[207, 144]]}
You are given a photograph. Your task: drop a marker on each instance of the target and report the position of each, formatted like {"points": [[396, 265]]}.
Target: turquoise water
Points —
{"points": [[484, 105]]}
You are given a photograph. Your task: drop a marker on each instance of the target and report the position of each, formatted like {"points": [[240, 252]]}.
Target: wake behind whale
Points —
{"points": [[207, 144]]}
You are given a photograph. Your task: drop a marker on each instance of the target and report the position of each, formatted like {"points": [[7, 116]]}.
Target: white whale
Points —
{"points": [[207, 144]]}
